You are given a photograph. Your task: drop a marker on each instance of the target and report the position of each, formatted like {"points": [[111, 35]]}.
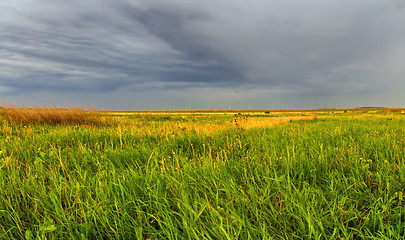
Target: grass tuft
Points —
{"points": [[53, 116]]}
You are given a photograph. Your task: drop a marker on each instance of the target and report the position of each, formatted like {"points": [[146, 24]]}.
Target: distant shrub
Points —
{"points": [[53, 116], [267, 112]]}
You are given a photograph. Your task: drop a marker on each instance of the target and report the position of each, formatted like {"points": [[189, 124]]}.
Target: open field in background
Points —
{"points": [[304, 174]]}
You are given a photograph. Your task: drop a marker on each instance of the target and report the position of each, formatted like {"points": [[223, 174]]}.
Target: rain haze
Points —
{"points": [[203, 54]]}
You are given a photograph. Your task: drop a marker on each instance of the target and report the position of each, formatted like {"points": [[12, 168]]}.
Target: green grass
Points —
{"points": [[329, 178]]}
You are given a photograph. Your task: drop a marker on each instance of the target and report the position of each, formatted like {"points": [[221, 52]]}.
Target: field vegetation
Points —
{"points": [[52, 116], [196, 175]]}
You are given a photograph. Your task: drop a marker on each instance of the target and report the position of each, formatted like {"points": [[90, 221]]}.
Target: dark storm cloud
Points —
{"points": [[307, 47], [101, 48]]}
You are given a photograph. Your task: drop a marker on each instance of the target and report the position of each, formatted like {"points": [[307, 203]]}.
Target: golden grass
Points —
{"points": [[173, 128], [52, 116], [258, 122]]}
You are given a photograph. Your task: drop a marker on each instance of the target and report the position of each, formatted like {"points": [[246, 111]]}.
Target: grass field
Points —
{"points": [[141, 175]]}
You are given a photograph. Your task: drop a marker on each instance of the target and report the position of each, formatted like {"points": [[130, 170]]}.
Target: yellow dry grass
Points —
{"points": [[169, 128], [52, 116], [258, 122]]}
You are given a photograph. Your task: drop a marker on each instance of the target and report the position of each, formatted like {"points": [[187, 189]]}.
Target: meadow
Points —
{"points": [[330, 174]]}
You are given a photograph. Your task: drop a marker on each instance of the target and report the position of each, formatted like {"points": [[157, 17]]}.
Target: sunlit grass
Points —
{"points": [[205, 177], [52, 115]]}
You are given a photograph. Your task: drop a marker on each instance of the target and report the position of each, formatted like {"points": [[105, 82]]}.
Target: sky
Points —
{"points": [[203, 54]]}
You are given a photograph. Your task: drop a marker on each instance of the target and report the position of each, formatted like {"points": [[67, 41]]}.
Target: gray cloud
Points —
{"points": [[298, 51]]}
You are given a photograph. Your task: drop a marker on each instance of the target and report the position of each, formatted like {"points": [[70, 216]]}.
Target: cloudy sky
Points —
{"points": [[203, 54]]}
